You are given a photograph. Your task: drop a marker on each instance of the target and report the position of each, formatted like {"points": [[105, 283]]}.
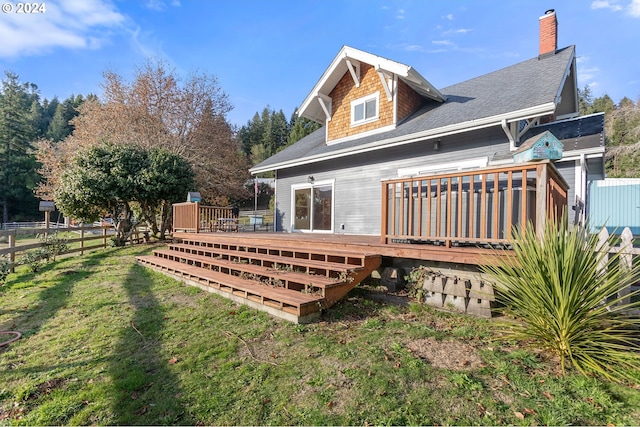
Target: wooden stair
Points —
{"points": [[289, 281]]}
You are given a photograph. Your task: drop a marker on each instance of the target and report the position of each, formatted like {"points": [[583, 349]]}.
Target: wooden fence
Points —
{"points": [[627, 253], [84, 233]]}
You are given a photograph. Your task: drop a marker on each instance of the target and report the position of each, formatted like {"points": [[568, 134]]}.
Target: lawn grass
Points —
{"points": [[106, 341]]}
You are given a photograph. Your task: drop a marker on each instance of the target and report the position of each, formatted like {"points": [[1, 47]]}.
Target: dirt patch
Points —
{"points": [[446, 354]]}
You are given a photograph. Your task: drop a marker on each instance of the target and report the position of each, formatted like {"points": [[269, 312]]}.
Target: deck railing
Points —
{"points": [[194, 218], [475, 207]]}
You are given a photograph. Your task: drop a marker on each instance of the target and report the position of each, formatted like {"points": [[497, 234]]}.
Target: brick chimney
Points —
{"points": [[548, 33]]}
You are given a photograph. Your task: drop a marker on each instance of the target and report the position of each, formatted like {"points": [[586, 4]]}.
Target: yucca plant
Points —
{"points": [[564, 296]]}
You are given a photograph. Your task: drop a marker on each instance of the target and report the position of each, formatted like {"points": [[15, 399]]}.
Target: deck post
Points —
{"points": [[197, 217], [384, 220], [542, 176]]}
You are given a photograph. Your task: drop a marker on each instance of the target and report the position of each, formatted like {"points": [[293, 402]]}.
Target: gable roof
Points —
{"points": [[531, 88], [311, 109]]}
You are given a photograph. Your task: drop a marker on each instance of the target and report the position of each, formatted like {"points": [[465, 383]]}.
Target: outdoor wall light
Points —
{"points": [[310, 179], [436, 145]]}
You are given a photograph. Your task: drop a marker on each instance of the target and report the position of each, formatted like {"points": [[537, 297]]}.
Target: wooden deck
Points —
{"points": [[295, 276], [471, 255]]}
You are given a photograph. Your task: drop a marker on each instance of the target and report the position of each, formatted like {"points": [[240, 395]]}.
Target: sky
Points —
{"points": [[271, 53]]}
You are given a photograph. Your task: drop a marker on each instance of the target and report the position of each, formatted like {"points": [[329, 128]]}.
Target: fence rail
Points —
{"points": [[31, 224], [85, 235]]}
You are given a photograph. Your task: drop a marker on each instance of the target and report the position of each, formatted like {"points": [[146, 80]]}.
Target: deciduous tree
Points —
{"points": [[157, 109], [118, 180]]}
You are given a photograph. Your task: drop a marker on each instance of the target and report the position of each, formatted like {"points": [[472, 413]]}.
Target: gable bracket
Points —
{"points": [[325, 104], [354, 69], [383, 79], [510, 130], [532, 122]]}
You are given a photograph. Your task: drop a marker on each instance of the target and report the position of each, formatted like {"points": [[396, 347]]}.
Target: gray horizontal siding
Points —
{"points": [[357, 190]]}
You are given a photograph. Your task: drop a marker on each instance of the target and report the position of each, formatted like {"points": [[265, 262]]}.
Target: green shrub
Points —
{"points": [[35, 259], [5, 268], [54, 245], [564, 302]]}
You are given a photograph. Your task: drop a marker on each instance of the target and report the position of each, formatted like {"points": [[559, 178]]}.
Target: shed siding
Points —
{"points": [[357, 190], [615, 203]]}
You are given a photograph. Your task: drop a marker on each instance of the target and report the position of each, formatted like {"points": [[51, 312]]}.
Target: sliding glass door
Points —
{"points": [[313, 207]]}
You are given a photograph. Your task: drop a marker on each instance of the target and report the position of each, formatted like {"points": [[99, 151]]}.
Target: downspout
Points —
{"points": [[275, 203], [583, 181]]}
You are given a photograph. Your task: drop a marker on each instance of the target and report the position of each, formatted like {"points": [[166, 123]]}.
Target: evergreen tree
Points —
{"points": [[60, 125], [603, 104], [301, 127], [38, 120], [269, 132], [585, 101], [279, 131], [17, 166]]}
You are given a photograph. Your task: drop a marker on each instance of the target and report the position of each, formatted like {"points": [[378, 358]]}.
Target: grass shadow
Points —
{"points": [[146, 389], [55, 294]]}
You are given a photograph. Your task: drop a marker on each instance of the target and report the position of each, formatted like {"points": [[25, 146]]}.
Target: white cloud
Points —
{"points": [[587, 74], [449, 17], [145, 43], [70, 24], [443, 42], [160, 5], [634, 8], [457, 31], [582, 59], [605, 4], [414, 48]]}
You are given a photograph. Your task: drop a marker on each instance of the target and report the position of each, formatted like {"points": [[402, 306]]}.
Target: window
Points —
{"points": [[365, 110]]}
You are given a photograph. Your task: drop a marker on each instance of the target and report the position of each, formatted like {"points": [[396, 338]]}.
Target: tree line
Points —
{"points": [[270, 131]]}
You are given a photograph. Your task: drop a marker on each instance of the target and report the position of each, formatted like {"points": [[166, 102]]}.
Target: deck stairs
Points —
{"points": [[289, 279]]}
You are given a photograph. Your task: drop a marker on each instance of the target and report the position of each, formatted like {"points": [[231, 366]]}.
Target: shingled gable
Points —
{"points": [[361, 93], [524, 94]]}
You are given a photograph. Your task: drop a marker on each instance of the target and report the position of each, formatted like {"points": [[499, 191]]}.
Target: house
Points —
{"points": [[402, 174], [383, 120]]}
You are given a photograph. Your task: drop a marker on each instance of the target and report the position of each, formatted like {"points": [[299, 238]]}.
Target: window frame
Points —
{"points": [[363, 101]]}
